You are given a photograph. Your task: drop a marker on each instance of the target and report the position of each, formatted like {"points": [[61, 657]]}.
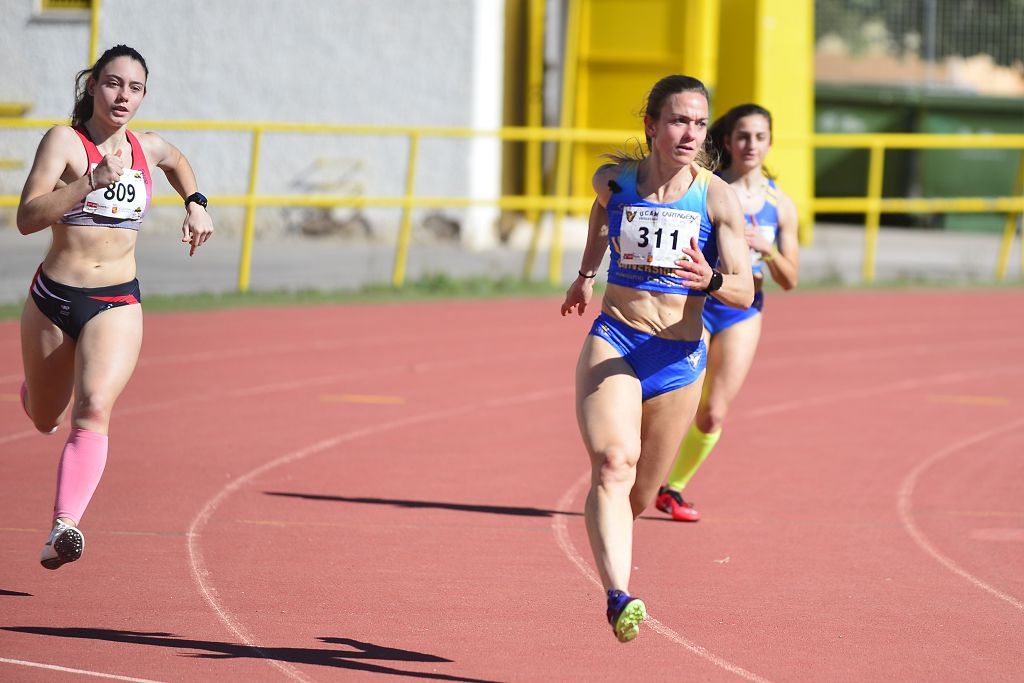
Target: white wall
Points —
{"points": [[392, 62]]}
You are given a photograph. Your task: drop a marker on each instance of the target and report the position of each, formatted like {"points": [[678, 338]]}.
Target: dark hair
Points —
{"points": [[662, 90], [82, 110], [722, 129]]}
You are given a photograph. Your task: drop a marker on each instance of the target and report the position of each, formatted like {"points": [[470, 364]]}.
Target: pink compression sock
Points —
{"points": [[79, 472]]}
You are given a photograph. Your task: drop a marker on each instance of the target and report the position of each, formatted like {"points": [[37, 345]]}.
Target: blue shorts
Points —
{"points": [[662, 365], [718, 316]]}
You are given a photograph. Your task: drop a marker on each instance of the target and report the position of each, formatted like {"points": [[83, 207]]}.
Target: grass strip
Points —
{"points": [[441, 287], [431, 287]]}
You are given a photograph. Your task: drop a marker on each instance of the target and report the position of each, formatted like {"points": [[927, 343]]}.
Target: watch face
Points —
{"points": [[716, 281], [199, 198]]}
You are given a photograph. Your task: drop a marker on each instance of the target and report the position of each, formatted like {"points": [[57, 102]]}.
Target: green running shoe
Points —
{"points": [[625, 615]]}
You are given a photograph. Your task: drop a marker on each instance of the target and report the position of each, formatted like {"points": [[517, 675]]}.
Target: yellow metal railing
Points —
{"points": [[873, 205], [559, 205], [562, 202], [94, 31]]}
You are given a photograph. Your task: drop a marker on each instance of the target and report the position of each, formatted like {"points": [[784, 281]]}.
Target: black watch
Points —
{"points": [[197, 197], [716, 282]]}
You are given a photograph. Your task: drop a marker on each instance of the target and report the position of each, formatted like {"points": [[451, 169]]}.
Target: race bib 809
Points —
{"points": [[655, 236], [125, 198]]}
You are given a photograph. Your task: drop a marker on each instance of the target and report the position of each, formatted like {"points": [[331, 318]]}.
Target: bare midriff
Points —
{"points": [[88, 256], [670, 316]]}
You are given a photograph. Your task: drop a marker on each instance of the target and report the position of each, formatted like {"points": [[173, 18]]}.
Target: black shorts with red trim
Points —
{"points": [[70, 308]]}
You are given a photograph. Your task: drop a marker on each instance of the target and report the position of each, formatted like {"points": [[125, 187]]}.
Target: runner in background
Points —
{"points": [[81, 326], [669, 219], [742, 139]]}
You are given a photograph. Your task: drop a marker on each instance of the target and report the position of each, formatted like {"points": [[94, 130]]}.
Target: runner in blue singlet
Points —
{"points": [[742, 137], [669, 218]]}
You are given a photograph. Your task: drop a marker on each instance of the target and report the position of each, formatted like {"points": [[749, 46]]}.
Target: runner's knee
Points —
{"points": [[711, 418], [93, 408], [616, 466]]}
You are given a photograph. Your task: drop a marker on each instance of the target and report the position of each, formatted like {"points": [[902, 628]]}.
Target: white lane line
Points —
{"points": [[906, 506], [562, 535], [657, 626], [561, 531], [308, 382], [80, 672], [200, 572], [17, 436], [815, 400]]}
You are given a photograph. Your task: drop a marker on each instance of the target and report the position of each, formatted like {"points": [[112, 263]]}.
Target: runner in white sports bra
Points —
{"points": [[121, 204], [81, 326]]}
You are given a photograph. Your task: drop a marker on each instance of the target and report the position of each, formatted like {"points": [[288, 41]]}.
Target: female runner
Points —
{"points": [[81, 326], [742, 138], [638, 377]]}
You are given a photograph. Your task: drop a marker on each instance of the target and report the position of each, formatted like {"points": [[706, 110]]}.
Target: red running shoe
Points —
{"points": [[671, 503]]}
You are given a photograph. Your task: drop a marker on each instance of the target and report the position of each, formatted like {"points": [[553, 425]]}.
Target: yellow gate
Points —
{"points": [[624, 47]]}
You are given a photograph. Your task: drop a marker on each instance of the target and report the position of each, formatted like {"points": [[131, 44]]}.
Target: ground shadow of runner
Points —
{"points": [[417, 504], [339, 658]]}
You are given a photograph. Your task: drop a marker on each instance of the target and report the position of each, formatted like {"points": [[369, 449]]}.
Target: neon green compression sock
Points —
{"points": [[696, 447]]}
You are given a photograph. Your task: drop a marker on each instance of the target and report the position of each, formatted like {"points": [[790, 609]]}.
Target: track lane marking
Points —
{"points": [[905, 506], [893, 388], [80, 672], [197, 563], [968, 400], [209, 593], [878, 390], [561, 531], [302, 384], [362, 398]]}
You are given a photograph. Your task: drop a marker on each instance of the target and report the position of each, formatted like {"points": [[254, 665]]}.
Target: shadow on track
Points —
{"points": [[349, 658], [420, 504]]}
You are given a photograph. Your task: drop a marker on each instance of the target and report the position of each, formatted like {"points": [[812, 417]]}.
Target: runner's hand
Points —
{"points": [[109, 170], [578, 296], [695, 271], [197, 228], [755, 240]]}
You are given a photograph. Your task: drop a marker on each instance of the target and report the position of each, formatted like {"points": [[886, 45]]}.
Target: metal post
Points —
{"points": [[1010, 228], [535, 99], [563, 167], [402, 248], [245, 260], [534, 118], [930, 38], [873, 216], [94, 30]]}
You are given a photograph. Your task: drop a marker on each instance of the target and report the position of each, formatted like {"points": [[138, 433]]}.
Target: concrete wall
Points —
{"points": [[391, 62]]}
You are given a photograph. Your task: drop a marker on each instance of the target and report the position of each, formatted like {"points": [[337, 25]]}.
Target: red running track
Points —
{"points": [[364, 492]]}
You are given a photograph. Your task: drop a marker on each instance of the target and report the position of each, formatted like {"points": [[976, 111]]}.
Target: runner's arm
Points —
{"points": [[597, 240], [784, 262], [173, 163], [197, 226], [578, 296], [45, 198], [733, 254]]}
